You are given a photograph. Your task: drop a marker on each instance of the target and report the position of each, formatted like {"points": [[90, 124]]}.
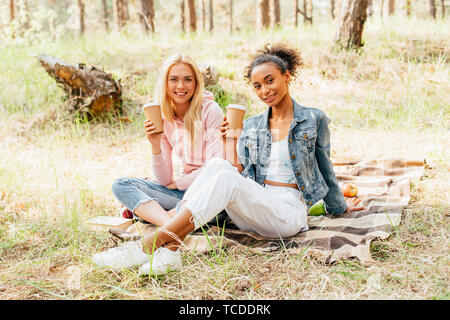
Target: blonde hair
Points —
{"points": [[193, 115]]}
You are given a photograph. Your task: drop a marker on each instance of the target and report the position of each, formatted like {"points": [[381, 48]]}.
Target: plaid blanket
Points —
{"points": [[384, 187]]}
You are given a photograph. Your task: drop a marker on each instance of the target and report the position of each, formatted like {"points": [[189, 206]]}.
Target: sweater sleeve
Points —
{"points": [[162, 163], [212, 143]]}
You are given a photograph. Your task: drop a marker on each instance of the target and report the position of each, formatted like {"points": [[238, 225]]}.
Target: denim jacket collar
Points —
{"points": [[299, 116]]}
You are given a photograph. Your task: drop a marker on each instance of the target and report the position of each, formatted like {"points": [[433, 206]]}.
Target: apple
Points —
{"points": [[349, 190], [317, 209]]}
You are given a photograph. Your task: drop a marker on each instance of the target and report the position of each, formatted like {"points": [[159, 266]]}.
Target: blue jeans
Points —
{"points": [[132, 192]]}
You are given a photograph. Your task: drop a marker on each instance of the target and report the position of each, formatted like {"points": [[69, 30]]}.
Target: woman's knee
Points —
{"points": [[227, 179], [119, 185], [213, 162]]}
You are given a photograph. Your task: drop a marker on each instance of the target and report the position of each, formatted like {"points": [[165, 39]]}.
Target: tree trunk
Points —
{"points": [[443, 8], [211, 16], [12, 10], [81, 8], [381, 8], [121, 9], [408, 8], [369, 8], [105, 14], [90, 90], [388, 7], [192, 16], [332, 5], [305, 11], [262, 14], [352, 18], [201, 7], [182, 16], [23, 15], [296, 12], [231, 15], [148, 15], [309, 10], [275, 19], [433, 8], [391, 7]]}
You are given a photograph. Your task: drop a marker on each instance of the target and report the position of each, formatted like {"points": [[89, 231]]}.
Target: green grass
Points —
{"points": [[390, 99]]}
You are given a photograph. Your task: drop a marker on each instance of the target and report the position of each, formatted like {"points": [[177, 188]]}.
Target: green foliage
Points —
{"points": [[222, 97]]}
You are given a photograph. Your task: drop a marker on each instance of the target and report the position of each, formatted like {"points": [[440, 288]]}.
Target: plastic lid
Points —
{"points": [[237, 106], [150, 104]]}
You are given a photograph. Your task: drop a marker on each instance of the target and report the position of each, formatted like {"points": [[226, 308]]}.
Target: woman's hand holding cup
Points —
{"points": [[235, 117], [224, 128], [231, 129], [225, 131], [152, 137], [229, 142], [154, 125]]}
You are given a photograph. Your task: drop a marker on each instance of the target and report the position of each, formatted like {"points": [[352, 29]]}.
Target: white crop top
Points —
{"points": [[280, 168]]}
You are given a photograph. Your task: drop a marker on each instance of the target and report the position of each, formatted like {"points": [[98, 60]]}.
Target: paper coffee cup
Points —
{"points": [[235, 117], [152, 112]]}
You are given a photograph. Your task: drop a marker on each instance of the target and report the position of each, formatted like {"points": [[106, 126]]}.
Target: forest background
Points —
{"points": [[388, 97]]}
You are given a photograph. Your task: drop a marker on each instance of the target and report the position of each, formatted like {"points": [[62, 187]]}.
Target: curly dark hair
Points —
{"points": [[284, 57]]}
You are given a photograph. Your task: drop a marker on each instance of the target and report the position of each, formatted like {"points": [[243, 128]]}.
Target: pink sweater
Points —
{"points": [[191, 158]]}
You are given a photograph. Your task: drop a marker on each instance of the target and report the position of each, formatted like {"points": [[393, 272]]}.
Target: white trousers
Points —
{"points": [[270, 211]]}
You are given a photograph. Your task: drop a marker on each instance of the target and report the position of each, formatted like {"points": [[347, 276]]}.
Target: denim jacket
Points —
{"points": [[309, 151]]}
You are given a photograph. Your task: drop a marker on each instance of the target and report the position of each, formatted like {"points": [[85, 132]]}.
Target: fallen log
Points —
{"points": [[89, 89]]}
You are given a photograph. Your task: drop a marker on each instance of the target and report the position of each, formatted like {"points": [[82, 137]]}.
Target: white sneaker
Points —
{"points": [[163, 261], [127, 256]]}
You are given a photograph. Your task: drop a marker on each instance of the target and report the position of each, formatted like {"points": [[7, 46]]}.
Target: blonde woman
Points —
{"points": [[191, 124]]}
